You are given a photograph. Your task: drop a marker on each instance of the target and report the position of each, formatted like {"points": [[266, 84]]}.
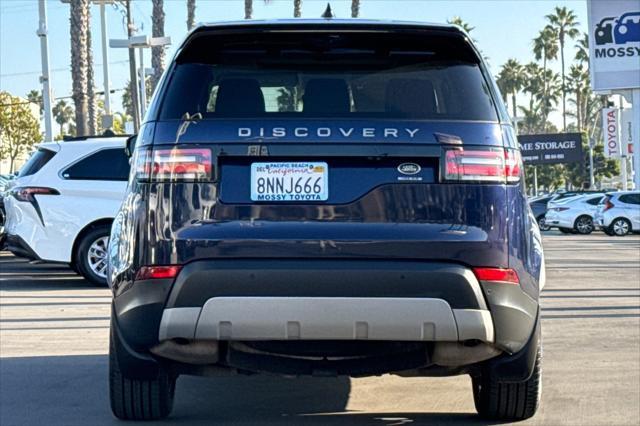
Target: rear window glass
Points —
{"points": [[595, 201], [107, 164], [329, 77], [36, 162]]}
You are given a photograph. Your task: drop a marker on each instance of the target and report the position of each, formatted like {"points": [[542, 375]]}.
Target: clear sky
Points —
{"points": [[503, 29]]}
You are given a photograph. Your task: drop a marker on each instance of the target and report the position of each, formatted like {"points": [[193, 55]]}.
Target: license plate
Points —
{"points": [[291, 181]]}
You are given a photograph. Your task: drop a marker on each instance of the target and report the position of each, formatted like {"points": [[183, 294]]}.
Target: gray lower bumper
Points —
{"points": [[329, 318]]}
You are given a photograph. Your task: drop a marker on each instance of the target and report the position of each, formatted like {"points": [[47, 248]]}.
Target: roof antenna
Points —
{"points": [[328, 13]]}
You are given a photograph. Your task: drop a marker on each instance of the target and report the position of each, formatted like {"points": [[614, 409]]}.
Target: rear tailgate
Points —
{"points": [[373, 210]]}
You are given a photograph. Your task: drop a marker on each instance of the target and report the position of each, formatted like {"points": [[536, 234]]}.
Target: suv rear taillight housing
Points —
{"points": [[608, 204], [497, 165], [27, 193], [174, 165]]}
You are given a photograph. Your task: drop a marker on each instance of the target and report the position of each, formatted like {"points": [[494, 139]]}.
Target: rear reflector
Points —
{"points": [[158, 272], [176, 164], [497, 274], [477, 165]]}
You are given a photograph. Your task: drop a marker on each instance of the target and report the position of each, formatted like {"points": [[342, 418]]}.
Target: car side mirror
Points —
{"points": [[130, 145]]}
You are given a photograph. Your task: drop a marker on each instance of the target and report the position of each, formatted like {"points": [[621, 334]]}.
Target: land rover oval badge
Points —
{"points": [[409, 168]]}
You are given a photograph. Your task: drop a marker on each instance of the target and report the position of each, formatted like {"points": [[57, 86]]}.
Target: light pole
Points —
{"points": [[44, 79], [107, 118], [140, 42]]}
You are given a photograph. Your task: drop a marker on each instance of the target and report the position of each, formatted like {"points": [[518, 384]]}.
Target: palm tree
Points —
{"points": [[355, 8], [552, 95], [91, 88], [79, 24], [545, 47], [532, 119], [35, 97], [456, 20], [191, 13], [511, 80], [297, 8], [578, 83], [157, 52], [533, 82], [565, 23], [582, 46], [248, 9], [63, 113]]}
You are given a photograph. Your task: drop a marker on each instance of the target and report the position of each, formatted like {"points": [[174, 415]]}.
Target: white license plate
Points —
{"points": [[290, 181]]}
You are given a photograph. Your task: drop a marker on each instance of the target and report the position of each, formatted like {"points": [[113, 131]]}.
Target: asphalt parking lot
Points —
{"points": [[54, 337]]}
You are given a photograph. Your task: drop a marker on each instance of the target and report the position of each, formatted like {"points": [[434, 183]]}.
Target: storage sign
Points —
{"points": [[614, 44], [551, 148], [611, 132]]}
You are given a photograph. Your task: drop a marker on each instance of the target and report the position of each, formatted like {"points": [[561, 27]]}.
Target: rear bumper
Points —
{"points": [[328, 318], [312, 299], [555, 220], [17, 246]]}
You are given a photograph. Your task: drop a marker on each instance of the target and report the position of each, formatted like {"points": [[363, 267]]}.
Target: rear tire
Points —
{"points": [[620, 227], [584, 225], [542, 224], [91, 255], [508, 401], [135, 399]]}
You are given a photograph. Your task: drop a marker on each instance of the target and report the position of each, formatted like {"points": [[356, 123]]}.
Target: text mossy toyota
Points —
{"points": [[326, 198]]}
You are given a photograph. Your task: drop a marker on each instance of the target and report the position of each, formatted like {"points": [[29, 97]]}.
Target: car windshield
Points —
{"points": [[324, 76]]}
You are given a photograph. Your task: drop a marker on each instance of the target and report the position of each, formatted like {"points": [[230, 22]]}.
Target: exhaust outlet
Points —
{"points": [[188, 352]]}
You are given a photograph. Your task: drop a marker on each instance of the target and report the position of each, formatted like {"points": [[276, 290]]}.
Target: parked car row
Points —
{"points": [[613, 212], [60, 206]]}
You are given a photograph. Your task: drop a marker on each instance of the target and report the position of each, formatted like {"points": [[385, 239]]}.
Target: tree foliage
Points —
{"points": [[63, 114], [546, 91], [19, 129]]}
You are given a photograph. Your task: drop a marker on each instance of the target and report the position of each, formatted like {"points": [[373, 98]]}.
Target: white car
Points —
{"points": [[574, 214], [61, 205], [619, 213]]}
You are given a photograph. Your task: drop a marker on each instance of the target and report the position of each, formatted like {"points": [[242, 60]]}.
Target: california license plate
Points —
{"points": [[291, 181]]}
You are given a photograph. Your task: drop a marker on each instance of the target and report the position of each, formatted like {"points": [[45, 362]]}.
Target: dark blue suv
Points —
{"points": [[326, 197]]}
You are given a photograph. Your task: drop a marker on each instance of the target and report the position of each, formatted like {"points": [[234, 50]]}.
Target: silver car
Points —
{"points": [[573, 215], [619, 213]]}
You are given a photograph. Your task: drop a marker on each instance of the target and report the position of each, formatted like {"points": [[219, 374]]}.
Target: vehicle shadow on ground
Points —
{"points": [[73, 390]]}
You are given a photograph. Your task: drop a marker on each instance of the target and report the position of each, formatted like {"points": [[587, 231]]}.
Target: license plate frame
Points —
{"points": [[289, 181]]}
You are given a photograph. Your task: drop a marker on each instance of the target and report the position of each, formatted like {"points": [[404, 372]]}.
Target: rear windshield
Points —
{"points": [[37, 161], [321, 76]]}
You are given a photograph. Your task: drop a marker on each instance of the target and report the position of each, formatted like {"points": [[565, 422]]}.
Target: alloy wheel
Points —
{"points": [[97, 256], [620, 227], [542, 224], [584, 225]]}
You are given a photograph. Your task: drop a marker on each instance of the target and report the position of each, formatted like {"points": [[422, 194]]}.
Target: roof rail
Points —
{"points": [[82, 138]]}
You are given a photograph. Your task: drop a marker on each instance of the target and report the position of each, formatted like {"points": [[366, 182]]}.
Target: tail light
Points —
{"points": [[26, 193], [560, 209], [608, 204], [158, 272], [175, 164], [477, 165], [497, 274]]}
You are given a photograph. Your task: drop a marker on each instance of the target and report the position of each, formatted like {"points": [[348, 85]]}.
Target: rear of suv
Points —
{"points": [[60, 206], [618, 213], [326, 198]]}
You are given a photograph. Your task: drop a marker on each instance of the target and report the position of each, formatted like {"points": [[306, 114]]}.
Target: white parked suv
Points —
{"points": [[619, 213], [573, 214], [61, 205]]}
